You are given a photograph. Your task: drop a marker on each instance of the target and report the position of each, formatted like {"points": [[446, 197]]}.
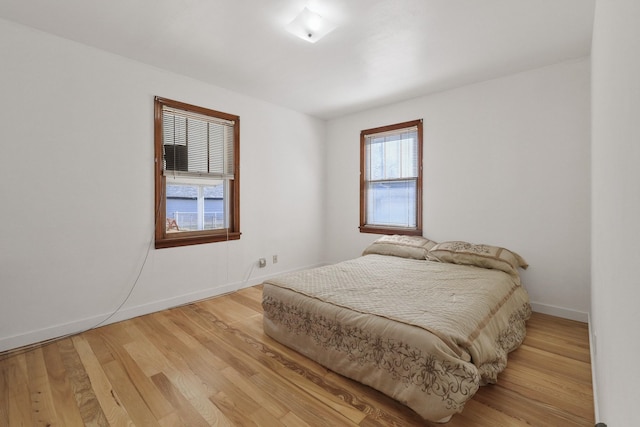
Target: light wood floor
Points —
{"points": [[210, 364]]}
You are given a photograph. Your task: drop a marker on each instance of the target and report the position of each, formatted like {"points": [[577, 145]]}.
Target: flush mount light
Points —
{"points": [[310, 26]]}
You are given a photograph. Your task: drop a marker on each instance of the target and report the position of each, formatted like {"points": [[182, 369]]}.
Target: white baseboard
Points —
{"points": [[44, 334], [152, 307], [92, 322], [81, 325], [565, 313], [594, 386]]}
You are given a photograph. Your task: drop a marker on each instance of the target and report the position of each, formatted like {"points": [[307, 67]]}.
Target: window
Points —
{"points": [[196, 173], [391, 179]]}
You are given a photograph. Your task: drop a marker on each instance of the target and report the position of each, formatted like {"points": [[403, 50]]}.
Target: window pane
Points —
{"points": [[392, 156], [375, 159], [392, 203], [193, 207], [408, 154]]}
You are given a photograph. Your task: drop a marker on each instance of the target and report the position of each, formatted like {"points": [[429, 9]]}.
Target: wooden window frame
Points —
{"points": [[232, 231], [388, 230]]}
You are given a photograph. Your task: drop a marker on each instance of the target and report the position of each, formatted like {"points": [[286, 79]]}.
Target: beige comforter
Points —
{"points": [[425, 333]]}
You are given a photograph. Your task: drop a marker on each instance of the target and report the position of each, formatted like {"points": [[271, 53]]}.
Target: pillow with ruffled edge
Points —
{"points": [[485, 256], [416, 247]]}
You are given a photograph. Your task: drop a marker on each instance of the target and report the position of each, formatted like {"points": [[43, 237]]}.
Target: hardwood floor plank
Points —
{"points": [[545, 361], [290, 358], [146, 355], [121, 360], [379, 408], [128, 395], [187, 413], [257, 352], [559, 347], [227, 347], [67, 410], [5, 397], [244, 359], [190, 375], [44, 413], [90, 409], [235, 409], [228, 310], [250, 298], [210, 363], [566, 338], [171, 420], [263, 418], [198, 395], [292, 420], [200, 363], [262, 397], [299, 403], [526, 410], [201, 366], [487, 416], [549, 390], [235, 397], [114, 412], [170, 332], [316, 391], [19, 407]]}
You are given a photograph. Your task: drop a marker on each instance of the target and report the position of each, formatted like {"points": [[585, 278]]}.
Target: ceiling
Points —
{"points": [[382, 51]]}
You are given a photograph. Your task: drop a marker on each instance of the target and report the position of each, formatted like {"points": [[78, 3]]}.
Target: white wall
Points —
{"points": [[615, 317], [76, 190], [506, 162]]}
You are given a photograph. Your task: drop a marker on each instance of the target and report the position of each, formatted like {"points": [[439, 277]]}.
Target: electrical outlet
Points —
{"points": [[275, 259], [262, 262]]}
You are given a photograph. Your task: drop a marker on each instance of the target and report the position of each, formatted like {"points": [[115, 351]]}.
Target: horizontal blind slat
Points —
{"points": [[197, 144], [392, 154], [391, 132], [196, 116]]}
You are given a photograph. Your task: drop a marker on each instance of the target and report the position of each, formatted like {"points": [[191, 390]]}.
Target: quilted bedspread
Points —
{"points": [[425, 333]]}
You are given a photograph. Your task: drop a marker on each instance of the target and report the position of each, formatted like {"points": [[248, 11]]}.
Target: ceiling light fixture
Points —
{"points": [[310, 26]]}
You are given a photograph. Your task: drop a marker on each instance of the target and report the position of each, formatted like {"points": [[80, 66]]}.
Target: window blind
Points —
{"points": [[197, 146], [392, 155]]}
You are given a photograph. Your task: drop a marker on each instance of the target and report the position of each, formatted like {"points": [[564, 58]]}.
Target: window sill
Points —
{"points": [[195, 240], [390, 230]]}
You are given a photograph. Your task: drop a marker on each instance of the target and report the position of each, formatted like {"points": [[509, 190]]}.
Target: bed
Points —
{"points": [[424, 323]]}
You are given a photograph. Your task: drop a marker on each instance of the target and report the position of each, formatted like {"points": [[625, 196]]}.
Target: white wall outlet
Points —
{"points": [[275, 259], [262, 262]]}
